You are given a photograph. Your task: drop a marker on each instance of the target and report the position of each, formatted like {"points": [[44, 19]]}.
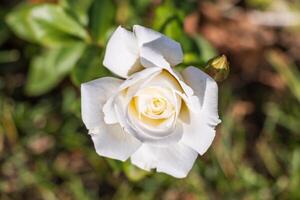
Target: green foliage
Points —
{"points": [[79, 9], [164, 14], [206, 50], [89, 66], [48, 69], [46, 24], [20, 23], [101, 19], [288, 71], [261, 4], [3, 29], [295, 174], [63, 29], [7, 56]]}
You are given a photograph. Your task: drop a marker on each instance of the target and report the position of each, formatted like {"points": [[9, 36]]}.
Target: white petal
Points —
{"points": [[199, 132], [157, 44], [175, 159], [110, 116], [93, 96], [140, 76], [166, 80], [150, 57], [151, 135], [188, 93], [206, 89], [112, 142], [122, 53], [109, 140]]}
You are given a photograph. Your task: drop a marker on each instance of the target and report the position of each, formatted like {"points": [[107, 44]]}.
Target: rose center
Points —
{"points": [[156, 106]]}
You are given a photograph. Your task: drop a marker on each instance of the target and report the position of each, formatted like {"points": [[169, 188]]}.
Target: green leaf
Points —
{"points": [[4, 33], [20, 22], [207, 51], [49, 68], [162, 14], [133, 173], [173, 28], [78, 8], [102, 17], [169, 20], [287, 70], [46, 24], [295, 174], [89, 66], [9, 56], [259, 4]]}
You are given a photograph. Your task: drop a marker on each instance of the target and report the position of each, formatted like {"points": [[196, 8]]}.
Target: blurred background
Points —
{"points": [[49, 47]]}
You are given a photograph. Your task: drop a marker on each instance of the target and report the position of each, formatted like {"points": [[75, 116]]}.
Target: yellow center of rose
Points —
{"points": [[157, 103], [151, 106], [156, 106]]}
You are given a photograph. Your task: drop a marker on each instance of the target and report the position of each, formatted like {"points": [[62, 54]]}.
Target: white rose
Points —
{"points": [[158, 118]]}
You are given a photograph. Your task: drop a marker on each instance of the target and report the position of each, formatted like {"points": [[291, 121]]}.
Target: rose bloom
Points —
{"points": [[158, 118]]}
